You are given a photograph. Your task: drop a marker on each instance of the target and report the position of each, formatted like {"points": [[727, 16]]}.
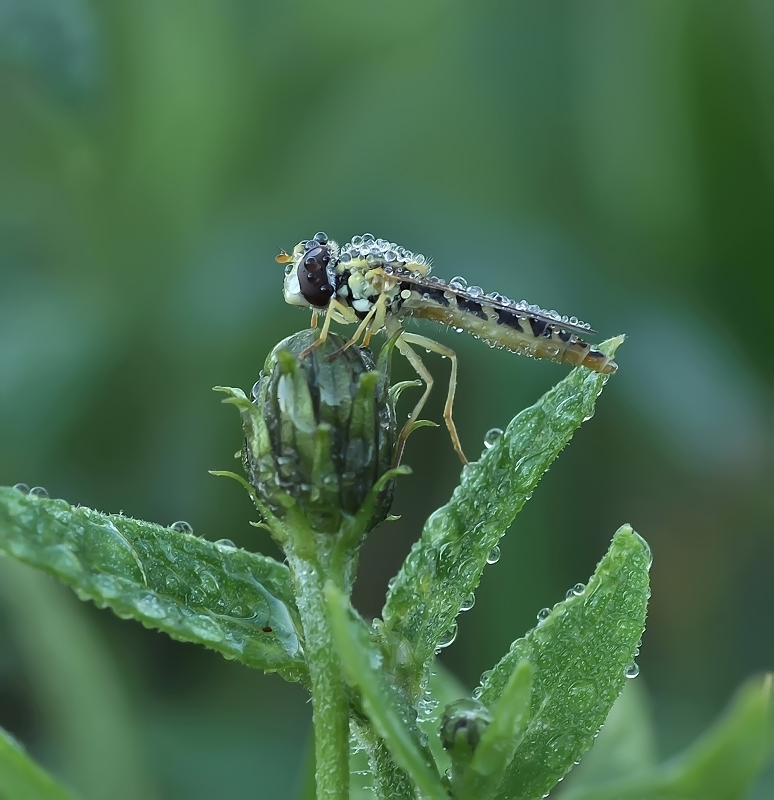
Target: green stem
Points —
{"points": [[330, 706], [390, 781]]}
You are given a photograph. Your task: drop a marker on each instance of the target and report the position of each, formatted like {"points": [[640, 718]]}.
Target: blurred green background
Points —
{"points": [[612, 160]]}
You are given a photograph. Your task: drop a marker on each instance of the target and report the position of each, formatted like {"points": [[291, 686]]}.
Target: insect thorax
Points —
{"points": [[356, 274]]}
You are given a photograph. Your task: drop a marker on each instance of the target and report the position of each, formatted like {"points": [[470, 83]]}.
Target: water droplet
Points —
{"points": [[632, 671], [106, 585], [64, 561], [181, 526], [205, 628], [589, 415], [149, 606], [468, 602], [209, 582], [578, 589], [448, 637], [22, 487], [458, 282], [225, 544], [38, 491], [543, 614], [494, 555], [491, 436]]}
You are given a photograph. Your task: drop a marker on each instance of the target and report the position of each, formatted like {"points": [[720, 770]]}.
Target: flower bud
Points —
{"points": [[462, 725], [321, 431]]}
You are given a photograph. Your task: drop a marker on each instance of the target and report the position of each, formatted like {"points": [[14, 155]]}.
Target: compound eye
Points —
{"points": [[313, 282]]}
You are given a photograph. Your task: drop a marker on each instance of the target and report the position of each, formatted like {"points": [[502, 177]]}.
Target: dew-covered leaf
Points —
{"points": [[625, 748], [227, 599], [581, 653], [21, 777], [502, 737], [445, 565], [388, 710]]}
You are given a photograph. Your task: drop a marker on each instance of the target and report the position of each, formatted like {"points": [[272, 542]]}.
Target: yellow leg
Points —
{"points": [[416, 362], [364, 329], [361, 328], [403, 345], [325, 328], [315, 316]]}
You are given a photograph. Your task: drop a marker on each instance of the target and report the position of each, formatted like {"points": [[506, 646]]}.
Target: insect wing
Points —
{"points": [[422, 282]]}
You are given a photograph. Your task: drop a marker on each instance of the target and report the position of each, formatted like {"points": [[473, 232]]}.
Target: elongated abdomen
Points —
{"points": [[512, 330]]}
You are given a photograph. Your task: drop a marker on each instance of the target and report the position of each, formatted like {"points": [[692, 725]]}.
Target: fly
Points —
{"points": [[377, 284]]}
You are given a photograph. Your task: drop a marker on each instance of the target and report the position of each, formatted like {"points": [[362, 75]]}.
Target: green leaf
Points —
{"points": [[502, 737], [626, 746], [443, 688], [445, 565], [722, 764], [237, 603], [726, 760], [77, 681], [580, 654], [21, 777], [384, 705]]}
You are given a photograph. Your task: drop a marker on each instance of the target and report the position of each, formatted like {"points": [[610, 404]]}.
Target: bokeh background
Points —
{"points": [[612, 160]]}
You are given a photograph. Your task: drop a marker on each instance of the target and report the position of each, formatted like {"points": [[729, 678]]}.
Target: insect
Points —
{"points": [[378, 284]]}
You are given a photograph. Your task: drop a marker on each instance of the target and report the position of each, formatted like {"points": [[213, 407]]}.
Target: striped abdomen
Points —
{"points": [[509, 328]]}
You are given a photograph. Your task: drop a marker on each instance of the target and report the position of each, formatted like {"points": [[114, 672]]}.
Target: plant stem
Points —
{"points": [[330, 707]]}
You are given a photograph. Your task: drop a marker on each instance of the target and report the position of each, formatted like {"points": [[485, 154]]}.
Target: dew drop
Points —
{"points": [[468, 602], [458, 282], [181, 526], [543, 614], [209, 582], [491, 436], [225, 544], [38, 491], [22, 487], [205, 628], [632, 671], [149, 606], [578, 589], [448, 637], [494, 555]]}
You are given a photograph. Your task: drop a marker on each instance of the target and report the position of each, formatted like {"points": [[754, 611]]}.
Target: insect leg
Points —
{"points": [[332, 307], [365, 328], [437, 347]]}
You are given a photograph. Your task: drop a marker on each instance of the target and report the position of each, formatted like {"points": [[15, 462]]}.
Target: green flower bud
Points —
{"points": [[462, 725], [321, 431]]}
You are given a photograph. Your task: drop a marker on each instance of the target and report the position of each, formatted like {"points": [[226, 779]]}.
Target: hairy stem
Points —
{"points": [[330, 708]]}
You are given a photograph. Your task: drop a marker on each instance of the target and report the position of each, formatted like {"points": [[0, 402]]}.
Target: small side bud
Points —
{"points": [[462, 726], [320, 432]]}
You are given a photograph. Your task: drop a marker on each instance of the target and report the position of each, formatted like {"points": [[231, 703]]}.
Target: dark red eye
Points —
{"points": [[313, 276]]}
